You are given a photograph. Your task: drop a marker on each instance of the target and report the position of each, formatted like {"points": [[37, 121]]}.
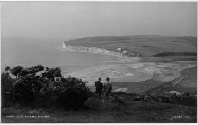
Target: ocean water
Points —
{"points": [[47, 52]]}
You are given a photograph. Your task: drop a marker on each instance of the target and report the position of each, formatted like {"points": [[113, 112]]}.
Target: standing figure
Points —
{"points": [[108, 87], [99, 87]]}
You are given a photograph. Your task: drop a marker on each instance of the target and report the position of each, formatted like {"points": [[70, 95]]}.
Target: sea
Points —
{"points": [[27, 52]]}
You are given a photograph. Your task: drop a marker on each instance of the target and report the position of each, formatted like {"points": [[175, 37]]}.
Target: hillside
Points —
{"points": [[144, 45], [107, 112], [187, 82]]}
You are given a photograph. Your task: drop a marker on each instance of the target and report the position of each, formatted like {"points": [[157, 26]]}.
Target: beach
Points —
{"points": [[133, 72]]}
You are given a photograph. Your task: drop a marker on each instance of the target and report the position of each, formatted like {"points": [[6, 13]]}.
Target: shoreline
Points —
{"points": [[135, 72], [119, 56]]}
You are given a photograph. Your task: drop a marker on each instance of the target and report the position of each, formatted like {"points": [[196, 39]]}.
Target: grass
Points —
{"points": [[131, 112], [163, 54], [137, 87], [134, 87]]}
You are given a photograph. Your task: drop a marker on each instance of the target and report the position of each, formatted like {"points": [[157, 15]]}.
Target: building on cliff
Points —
{"points": [[64, 46]]}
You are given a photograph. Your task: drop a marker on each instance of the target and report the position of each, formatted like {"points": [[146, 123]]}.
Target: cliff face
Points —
{"points": [[92, 50], [96, 50]]}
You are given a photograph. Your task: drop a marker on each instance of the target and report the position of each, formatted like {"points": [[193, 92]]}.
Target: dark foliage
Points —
{"points": [[36, 68], [70, 92], [26, 89], [16, 70], [6, 89], [41, 91], [52, 72], [163, 54], [7, 68]]}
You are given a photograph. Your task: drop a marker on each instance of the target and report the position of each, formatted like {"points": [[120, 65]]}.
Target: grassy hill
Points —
{"points": [[144, 45]]}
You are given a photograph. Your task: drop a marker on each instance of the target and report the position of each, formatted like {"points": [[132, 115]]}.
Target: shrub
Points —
{"points": [[94, 103], [53, 72], [26, 90], [38, 91], [72, 93], [16, 70], [6, 89]]}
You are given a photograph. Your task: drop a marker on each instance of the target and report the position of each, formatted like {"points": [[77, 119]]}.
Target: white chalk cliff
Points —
{"points": [[97, 50]]}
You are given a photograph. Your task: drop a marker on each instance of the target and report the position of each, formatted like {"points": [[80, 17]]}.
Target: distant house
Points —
{"points": [[64, 46], [119, 49]]}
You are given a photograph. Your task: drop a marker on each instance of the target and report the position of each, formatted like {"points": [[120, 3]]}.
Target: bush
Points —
{"points": [[72, 93], [52, 72], [6, 89], [94, 103], [39, 91], [16, 70], [26, 90]]}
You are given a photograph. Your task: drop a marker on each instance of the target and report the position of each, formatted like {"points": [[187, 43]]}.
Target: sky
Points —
{"points": [[86, 19]]}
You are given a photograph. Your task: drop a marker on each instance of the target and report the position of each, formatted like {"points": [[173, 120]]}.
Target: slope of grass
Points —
{"points": [[110, 112], [163, 54]]}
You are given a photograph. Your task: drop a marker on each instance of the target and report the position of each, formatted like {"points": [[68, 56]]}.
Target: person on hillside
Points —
{"points": [[107, 87], [99, 87], [104, 89]]}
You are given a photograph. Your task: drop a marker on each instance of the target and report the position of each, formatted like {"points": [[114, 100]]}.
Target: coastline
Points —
{"points": [[120, 56]]}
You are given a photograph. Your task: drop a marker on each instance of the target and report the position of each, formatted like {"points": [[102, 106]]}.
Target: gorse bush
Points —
{"points": [[72, 93], [69, 93], [6, 89], [26, 89], [29, 89], [16, 70]]}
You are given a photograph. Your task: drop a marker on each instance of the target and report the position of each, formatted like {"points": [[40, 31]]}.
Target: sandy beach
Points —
{"points": [[132, 72]]}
